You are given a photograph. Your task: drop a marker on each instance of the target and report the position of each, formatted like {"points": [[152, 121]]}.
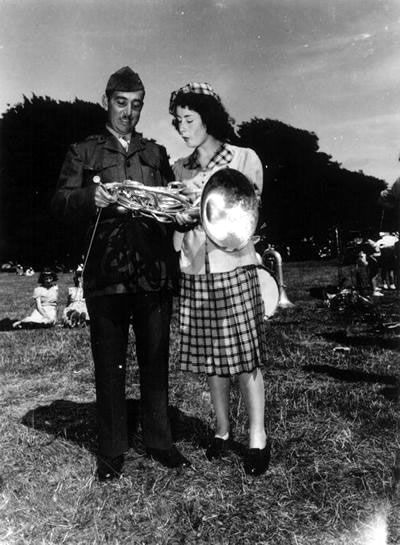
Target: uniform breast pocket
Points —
{"points": [[151, 176], [104, 175]]}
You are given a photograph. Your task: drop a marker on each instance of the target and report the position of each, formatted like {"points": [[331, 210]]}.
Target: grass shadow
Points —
{"points": [[341, 337], [76, 422], [190, 428], [390, 391], [6, 324]]}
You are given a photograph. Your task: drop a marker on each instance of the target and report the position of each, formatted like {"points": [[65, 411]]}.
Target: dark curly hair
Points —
{"points": [[47, 273], [216, 119]]}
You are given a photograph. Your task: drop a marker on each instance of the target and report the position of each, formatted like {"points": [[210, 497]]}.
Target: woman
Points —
{"points": [[217, 340]]}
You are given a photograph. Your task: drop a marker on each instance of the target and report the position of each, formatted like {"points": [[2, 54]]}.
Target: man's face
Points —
{"points": [[124, 108]]}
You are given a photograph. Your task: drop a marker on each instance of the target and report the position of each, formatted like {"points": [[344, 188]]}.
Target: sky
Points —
{"points": [[327, 66]]}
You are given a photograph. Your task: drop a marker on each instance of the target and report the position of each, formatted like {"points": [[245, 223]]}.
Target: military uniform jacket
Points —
{"points": [[128, 254]]}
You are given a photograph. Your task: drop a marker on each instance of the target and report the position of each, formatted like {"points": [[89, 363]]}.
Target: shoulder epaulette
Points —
{"points": [[151, 144], [100, 138]]}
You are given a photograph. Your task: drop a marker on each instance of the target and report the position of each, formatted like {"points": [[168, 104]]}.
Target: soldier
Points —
{"points": [[130, 274]]}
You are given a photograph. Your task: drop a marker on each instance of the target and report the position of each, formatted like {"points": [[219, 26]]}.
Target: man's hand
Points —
{"points": [[103, 198]]}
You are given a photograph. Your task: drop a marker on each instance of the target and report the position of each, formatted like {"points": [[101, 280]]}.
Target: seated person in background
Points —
{"points": [[75, 313], [45, 296], [362, 274], [388, 260], [373, 254]]}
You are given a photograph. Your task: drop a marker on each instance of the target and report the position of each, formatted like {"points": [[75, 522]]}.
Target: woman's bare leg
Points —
{"points": [[219, 389], [252, 388]]}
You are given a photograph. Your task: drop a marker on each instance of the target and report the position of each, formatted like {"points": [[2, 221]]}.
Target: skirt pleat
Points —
{"points": [[221, 323]]}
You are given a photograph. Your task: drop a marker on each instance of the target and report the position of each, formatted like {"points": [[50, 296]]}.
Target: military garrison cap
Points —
{"points": [[124, 79]]}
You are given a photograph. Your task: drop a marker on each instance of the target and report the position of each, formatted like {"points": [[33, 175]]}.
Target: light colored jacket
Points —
{"points": [[194, 242]]}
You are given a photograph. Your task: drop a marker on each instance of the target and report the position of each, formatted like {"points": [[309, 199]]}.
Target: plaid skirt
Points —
{"points": [[221, 322]]}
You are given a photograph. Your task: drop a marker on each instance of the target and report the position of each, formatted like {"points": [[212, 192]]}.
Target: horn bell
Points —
{"points": [[229, 210], [276, 258]]}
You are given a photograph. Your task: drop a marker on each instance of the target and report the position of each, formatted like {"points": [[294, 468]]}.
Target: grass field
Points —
{"points": [[332, 414]]}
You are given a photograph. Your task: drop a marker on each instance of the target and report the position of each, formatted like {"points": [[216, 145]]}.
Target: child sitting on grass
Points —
{"points": [[75, 313], [45, 296]]}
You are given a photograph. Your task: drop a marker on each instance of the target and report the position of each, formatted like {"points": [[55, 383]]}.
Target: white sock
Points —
{"points": [[224, 437]]}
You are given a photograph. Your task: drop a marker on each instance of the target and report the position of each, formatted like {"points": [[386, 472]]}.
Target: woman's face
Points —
{"points": [[191, 127]]}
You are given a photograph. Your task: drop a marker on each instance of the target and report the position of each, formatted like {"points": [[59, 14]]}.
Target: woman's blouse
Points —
{"points": [[193, 248]]}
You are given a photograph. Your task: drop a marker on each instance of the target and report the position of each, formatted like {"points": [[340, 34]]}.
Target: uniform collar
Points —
{"points": [[136, 142], [124, 140]]}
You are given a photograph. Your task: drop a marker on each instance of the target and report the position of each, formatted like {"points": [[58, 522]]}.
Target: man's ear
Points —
{"points": [[104, 102]]}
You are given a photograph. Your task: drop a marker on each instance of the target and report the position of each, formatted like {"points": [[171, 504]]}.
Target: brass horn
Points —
{"points": [[276, 258], [229, 209], [159, 203]]}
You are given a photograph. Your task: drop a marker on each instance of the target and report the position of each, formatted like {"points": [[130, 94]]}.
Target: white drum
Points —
{"points": [[269, 291]]}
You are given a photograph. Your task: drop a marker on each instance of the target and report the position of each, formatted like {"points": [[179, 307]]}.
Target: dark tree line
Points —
{"points": [[34, 138], [306, 193]]}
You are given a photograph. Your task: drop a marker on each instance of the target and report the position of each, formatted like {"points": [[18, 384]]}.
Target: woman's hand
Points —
{"points": [[103, 198], [187, 219], [192, 189]]}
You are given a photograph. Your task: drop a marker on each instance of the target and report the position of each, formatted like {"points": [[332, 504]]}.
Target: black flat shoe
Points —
{"points": [[217, 448], [168, 457], [256, 461], [109, 468]]}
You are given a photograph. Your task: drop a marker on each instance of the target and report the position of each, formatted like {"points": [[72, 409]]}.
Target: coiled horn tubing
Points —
{"points": [[159, 203]]}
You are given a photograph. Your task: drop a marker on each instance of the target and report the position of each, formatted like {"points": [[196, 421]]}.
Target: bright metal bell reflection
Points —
{"points": [[229, 212]]}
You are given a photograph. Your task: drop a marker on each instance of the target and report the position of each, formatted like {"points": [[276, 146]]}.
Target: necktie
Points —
{"points": [[125, 142]]}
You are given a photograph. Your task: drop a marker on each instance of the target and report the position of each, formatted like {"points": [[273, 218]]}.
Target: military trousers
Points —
{"points": [[149, 313]]}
